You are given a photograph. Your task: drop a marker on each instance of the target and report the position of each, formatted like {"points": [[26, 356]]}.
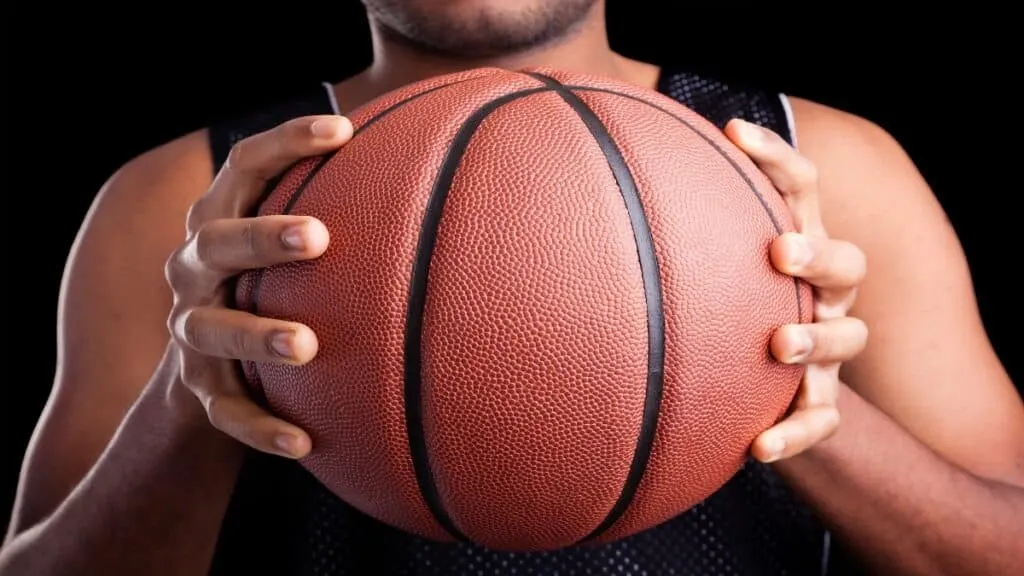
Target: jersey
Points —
{"points": [[283, 521]]}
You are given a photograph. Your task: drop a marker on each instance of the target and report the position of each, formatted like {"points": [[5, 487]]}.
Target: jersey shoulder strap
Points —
{"points": [[226, 133], [720, 102]]}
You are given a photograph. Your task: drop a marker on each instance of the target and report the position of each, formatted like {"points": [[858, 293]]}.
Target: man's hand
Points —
{"points": [[834, 268], [221, 244]]}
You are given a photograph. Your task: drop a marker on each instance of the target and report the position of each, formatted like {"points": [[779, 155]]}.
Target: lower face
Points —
{"points": [[478, 28]]}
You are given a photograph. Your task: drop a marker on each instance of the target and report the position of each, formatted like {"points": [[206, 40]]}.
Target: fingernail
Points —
{"points": [[326, 127], [800, 251], [802, 345], [282, 344], [774, 448], [294, 238], [286, 444]]}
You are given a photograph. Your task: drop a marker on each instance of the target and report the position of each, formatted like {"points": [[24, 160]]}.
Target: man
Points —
{"points": [[136, 456]]}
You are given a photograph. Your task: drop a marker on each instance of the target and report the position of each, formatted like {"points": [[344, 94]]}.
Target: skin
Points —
{"points": [[924, 474]]}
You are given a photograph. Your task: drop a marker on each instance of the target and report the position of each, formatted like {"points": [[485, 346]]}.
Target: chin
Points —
{"points": [[477, 28]]}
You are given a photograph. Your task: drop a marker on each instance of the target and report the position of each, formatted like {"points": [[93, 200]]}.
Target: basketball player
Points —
{"points": [[139, 463]]}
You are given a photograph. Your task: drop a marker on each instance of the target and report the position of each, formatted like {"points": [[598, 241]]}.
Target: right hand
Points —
{"points": [[220, 244]]}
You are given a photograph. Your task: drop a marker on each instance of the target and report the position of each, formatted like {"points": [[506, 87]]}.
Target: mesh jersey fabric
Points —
{"points": [[282, 521]]}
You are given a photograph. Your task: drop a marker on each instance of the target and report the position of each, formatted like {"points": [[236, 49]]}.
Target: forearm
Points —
{"points": [[152, 504], [902, 507]]}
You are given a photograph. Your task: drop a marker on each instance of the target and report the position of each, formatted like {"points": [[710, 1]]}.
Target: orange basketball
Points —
{"points": [[544, 316]]}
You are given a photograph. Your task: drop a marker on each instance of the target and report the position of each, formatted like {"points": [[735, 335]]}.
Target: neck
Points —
{"points": [[585, 50]]}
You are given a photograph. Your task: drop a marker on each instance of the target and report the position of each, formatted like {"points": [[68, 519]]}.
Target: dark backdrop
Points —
{"points": [[89, 87]]}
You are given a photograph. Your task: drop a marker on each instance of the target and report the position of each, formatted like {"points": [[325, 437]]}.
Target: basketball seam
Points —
{"points": [[417, 303], [413, 378], [654, 297], [301, 188], [735, 166], [254, 297], [257, 282]]}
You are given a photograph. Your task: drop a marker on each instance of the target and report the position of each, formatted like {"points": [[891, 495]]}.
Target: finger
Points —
{"points": [[239, 417], [230, 246], [828, 341], [259, 158], [801, 430], [819, 387], [792, 174], [822, 262], [227, 333]]}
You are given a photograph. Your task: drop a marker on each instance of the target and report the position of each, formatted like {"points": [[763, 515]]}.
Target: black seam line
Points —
{"points": [[651, 274], [722, 153], [417, 303], [301, 189]]}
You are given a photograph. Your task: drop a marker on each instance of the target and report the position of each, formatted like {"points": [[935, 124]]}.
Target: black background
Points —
{"points": [[89, 88]]}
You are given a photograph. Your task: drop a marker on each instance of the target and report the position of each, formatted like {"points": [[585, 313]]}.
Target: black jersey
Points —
{"points": [[282, 521]]}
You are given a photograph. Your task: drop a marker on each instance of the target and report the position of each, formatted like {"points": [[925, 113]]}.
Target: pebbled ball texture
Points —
{"points": [[544, 314]]}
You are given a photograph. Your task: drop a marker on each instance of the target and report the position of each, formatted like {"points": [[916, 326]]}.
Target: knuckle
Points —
{"points": [[173, 270], [241, 343], [227, 421], [280, 143], [859, 331], [831, 308], [858, 264], [827, 342], [237, 155], [193, 373], [212, 404], [173, 320], [804, 173], [249, 238], [820, 383], [830, 420], [295, 132], [248, 156], [205, 244], [215, 412], [827, 312], [194, 217], [188, 329]]}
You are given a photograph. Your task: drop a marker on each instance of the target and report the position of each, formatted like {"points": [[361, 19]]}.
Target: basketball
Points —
{"points": [[544, 315]]}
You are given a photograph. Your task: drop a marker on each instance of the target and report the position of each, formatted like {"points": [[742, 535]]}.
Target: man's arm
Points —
{"points": [[153, 502], [902, 507], [925, 474], [82, 497]]}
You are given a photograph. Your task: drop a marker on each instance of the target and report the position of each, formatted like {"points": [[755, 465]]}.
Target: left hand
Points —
{"points": [[834, 268]]}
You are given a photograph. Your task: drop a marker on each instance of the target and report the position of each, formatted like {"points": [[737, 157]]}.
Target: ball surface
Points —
{"points": [[544, 315]]}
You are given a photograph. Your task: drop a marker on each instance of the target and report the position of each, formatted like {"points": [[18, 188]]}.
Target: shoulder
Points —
{"points": [[871, 191], [185, 162], [866, 176], [184, 167], [873, 195], [174, 173], [154, 187], [136, 220], [830, 134]]}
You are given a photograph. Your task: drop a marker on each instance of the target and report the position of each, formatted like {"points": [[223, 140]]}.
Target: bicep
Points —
{"points": [[111, 318], [929, 363]]}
